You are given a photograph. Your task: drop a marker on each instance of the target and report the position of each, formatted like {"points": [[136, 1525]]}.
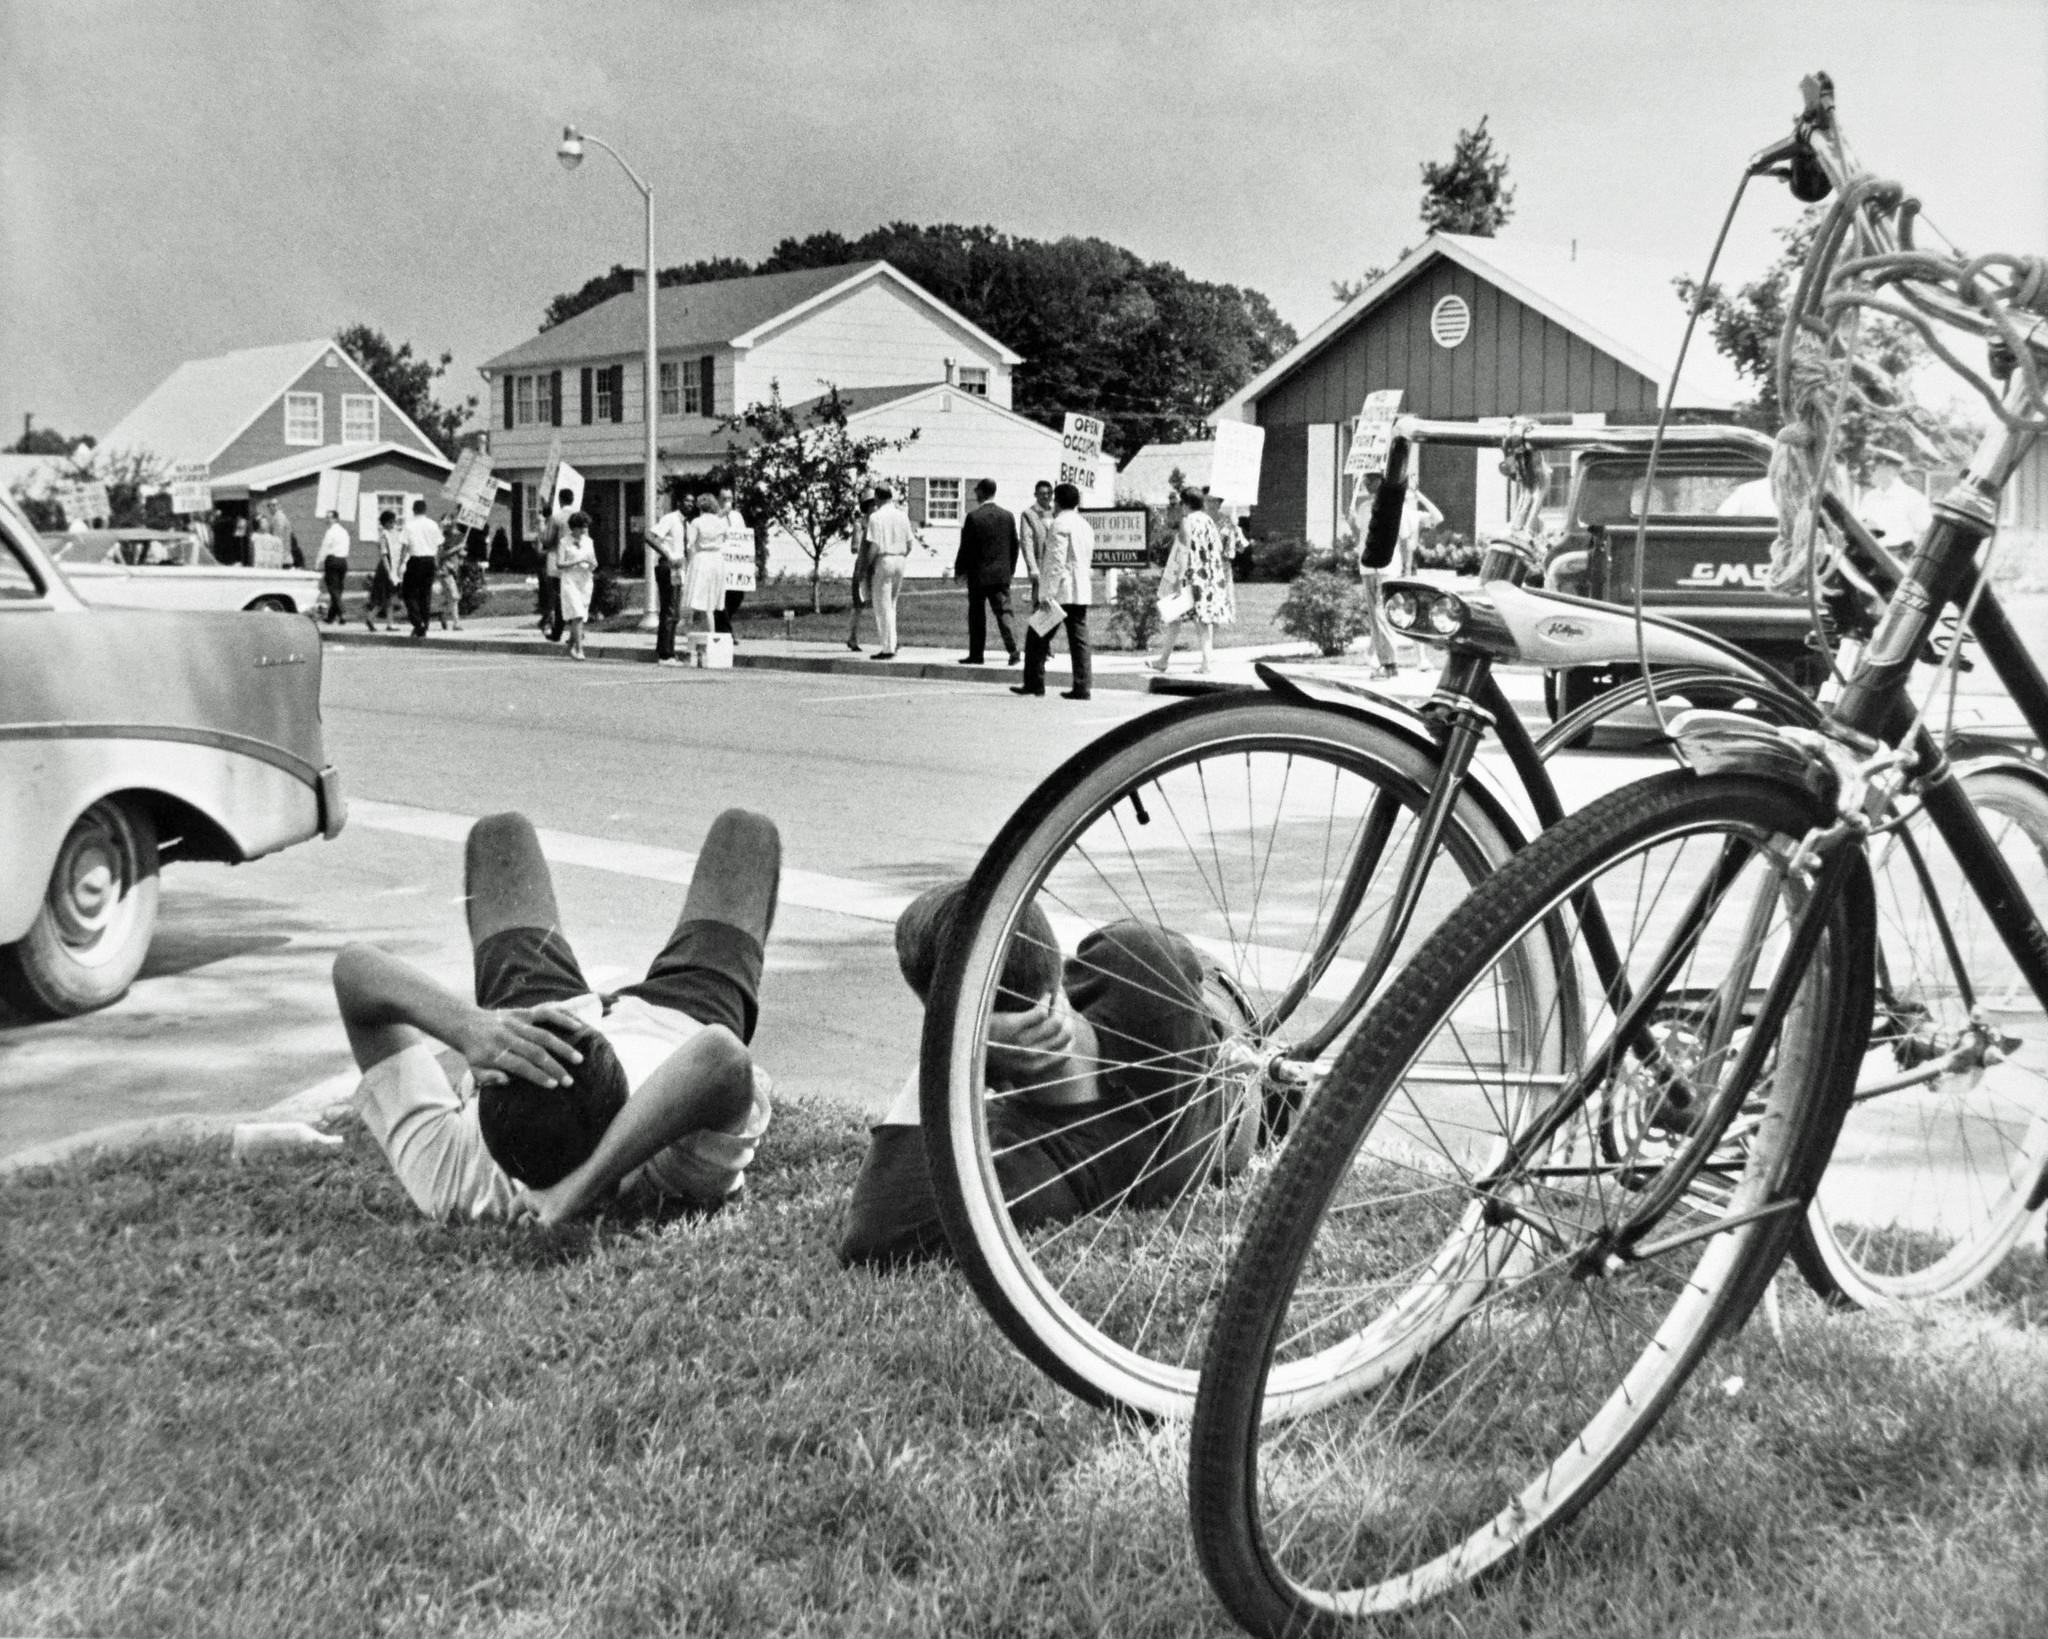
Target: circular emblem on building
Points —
{"points": [[1450, 321]]}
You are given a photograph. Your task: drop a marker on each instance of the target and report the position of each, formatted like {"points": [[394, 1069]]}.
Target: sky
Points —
{"points": [[180, 179]]}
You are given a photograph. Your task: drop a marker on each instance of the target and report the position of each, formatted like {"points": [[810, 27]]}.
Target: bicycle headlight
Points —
{"points": [[1402, 612], [1447, 615]]}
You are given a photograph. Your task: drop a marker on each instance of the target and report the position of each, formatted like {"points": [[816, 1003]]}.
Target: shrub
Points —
{"points": [[1323, 608], [607, 594], [1276, 558], [473, 592], [1134, 616]]}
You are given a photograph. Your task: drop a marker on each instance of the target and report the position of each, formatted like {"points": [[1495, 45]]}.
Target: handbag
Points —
{"points": [[1177, 604]]}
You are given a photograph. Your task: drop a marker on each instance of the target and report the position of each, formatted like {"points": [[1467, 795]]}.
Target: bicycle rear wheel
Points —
{"points": [[1265, 837], [1927, 1189], [1503, 1283]]}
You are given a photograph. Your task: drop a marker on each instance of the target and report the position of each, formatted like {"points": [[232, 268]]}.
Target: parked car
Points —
{"points": [[161, 569], [132, 738]]}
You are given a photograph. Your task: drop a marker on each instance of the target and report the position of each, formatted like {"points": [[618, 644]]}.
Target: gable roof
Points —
{"points": [[1621, 303], [204, 405], [300, 463], [720, 313], [874, 399]]}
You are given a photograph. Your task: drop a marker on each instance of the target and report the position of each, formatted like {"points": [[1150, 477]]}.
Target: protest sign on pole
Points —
{"points": [[338, 492], [567, 477], [1081, 451], [472, 488], [190, 491], [98, 507], [1234, 467], [550, 485], [71, 497], [1373, 434]]}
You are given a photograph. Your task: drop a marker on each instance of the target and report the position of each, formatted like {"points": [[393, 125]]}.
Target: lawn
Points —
{"points": [[267, 1401]]}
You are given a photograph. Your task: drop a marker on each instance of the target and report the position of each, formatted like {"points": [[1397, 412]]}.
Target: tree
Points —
{"points": [[408, 381], [36, 440], [1470, 193], [1140, 344], [1346, 290], [802, 470], [1884, 410]]}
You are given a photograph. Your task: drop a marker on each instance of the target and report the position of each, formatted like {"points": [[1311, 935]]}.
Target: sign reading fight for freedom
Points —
{"points": [[1374, 433], [471, 487], [190, 489], [1119, 536], [1081, 451]]}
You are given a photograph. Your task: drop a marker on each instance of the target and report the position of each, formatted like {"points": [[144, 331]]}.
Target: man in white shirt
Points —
{"points": [[1063, 598], [550, 566], [334, 565], [665, 540], [891, 535], [419, 557], [1895, 512], [1034, 532], [543, 1098]]}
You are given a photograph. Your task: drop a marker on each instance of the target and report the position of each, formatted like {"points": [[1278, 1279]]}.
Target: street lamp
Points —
{"points": [[570, 153]]}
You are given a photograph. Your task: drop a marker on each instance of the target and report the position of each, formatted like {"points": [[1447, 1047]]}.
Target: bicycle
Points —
{"points": [[1303, 840], [1544, 1177]]}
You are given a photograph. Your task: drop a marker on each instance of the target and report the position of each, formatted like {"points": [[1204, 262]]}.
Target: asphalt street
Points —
{"points": [[880, 788]]}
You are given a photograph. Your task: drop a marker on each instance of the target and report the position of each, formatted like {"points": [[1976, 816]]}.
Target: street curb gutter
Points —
{"points": [[310, 1104]]}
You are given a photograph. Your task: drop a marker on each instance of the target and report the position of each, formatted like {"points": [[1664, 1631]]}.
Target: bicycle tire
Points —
{"points": [[1927, 1190], [1429, 1470], [1113, 1305]]}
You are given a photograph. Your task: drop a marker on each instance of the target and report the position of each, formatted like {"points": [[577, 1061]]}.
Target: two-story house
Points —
{"points": [[863, 327], [269, 420]]}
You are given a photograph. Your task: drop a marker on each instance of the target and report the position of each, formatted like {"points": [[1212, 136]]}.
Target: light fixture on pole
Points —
{"points": [[570, 153]]}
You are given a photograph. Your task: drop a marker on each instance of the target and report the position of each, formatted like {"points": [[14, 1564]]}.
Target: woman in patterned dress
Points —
{"points": [[1199, 567]]}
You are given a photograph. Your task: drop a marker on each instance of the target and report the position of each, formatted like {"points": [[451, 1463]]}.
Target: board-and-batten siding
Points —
{"points": [[1514, 361], [875, 336], [263, 439]]}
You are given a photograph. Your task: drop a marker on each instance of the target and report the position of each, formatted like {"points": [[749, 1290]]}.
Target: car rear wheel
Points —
{"points": [[87, 942], [271, 605]]}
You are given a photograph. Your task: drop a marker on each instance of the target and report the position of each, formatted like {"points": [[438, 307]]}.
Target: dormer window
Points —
{"points": [[303, 422], [974, 379]]}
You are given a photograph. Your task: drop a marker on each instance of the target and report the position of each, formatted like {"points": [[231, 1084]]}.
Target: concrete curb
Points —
{"points": [[309, 1104]]}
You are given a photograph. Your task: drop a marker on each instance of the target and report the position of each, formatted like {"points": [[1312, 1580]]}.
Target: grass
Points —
{"points": [[266, 1401]]}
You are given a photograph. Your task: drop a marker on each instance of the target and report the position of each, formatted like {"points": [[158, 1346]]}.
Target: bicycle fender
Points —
{"points": [[1726, 742], [1509, 810]]}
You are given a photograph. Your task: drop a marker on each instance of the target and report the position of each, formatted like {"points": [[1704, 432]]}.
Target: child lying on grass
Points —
{"points": [[549, 1098], [1101, 1092]]}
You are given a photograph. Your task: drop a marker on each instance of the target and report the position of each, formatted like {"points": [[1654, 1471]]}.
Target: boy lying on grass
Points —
{"points": [[543, 1098], [1102, 1090]]}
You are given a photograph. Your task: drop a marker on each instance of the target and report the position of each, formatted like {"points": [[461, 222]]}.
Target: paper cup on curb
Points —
{"points": [[263, 1141]]}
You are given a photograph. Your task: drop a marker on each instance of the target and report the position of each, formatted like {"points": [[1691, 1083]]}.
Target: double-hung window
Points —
{"points": [[522, 401], [974, 379], [359, 418], [942, 500], [603, 380], [302, 418], [544, 400], [671, 388]]}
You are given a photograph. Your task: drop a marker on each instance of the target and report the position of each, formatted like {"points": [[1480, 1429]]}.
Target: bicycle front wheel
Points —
{"points": [[1560, 1154], [1927, 1190], [1233, 860]]}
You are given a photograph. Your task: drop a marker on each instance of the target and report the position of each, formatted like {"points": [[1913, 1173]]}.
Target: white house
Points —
{"points": [[719, 347]]}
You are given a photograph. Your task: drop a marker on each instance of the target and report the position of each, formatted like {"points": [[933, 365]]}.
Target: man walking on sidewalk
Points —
{"points": [[334, 566], [419, 555], [986, 561], [550, 566], [1063, 599]]}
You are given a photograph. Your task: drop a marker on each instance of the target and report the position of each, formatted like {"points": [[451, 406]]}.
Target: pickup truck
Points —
{"points": [[1708, 526]]}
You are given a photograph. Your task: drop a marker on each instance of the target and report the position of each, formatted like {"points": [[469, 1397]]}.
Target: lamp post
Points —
{"points": [[570, 153]]}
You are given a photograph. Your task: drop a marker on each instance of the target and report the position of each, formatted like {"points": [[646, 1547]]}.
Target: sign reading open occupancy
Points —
{"points": [[1119, 536], [1081, 451]]}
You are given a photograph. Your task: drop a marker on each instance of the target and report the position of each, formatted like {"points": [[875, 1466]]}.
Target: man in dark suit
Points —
{"points": [[986, 561]]}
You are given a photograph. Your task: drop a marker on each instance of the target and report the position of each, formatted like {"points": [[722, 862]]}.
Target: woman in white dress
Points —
{"points": [[577, 560], [704, 565]]}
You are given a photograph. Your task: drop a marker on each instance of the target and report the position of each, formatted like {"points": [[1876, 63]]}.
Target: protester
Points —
{"points": [[740, 577], [1100, 1092], [550, 567], [266, 551], [1034, 533], [448, 573], [240, 531], [863, 567], [890, 538], [1064, 594], [1414, 509], [550, 1099], [1895, 513], [704, 572], [334, 566], [576, 563], [987, 561], [665, 541], [288, 538], [1196, 581], [419, 560]]}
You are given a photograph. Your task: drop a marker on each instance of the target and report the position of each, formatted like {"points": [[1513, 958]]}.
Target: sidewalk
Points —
{"points": [[1114, 668]]}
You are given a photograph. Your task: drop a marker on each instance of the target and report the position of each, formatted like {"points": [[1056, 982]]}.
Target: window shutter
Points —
{"points": [[508, 403], [917, 502], [555, 400], [585, 405], [618, 392], [704, 384]]}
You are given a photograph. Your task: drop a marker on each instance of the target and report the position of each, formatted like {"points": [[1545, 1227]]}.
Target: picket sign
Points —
{"points": [[1374, 433], [190, 489], [1081, 451], [339, 492], [1234, 465]]}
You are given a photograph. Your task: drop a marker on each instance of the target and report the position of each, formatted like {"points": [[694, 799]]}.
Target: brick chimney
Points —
{"points": [[639, 276]]}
